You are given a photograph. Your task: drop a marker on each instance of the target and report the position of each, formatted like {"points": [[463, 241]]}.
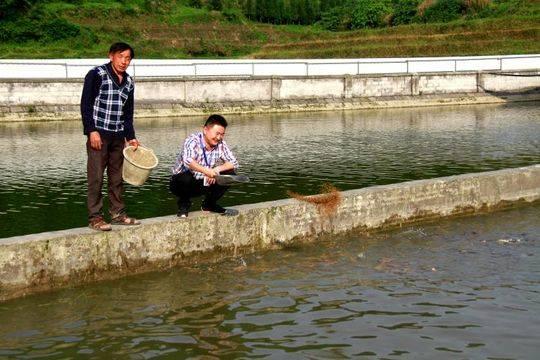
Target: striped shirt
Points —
{"points": [[193, 150]]}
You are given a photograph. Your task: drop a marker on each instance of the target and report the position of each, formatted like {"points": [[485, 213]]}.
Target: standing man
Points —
{"points": [[203, 156], [107, 116]]}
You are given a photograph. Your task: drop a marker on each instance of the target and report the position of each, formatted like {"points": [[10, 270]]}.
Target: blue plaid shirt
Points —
{"points": [[193, 149], [104, 106], [108, 105]]}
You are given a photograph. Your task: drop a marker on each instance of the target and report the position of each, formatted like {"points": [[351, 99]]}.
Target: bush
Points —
{"points": [[87, 38], [444, 11], [195, 3], [58, 29], [366, 13], [13, 9], [157, 6], [404, 11], [19, 31], [333, 19], [476, 6], [233, 15], [29, 29], [216, 5]]}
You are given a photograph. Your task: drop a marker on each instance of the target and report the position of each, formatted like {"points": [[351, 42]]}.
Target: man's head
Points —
{"points": [[120, 55], [214, 129]]}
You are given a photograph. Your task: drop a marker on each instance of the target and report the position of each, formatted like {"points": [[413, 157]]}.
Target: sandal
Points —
{"points": [[123, 219], [99, 224]]}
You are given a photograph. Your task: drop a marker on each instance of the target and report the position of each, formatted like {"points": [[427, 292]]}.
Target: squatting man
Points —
{"points": [[203, 156]]}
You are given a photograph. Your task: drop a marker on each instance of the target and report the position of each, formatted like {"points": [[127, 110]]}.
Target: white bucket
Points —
{"points": [[138, 164]]}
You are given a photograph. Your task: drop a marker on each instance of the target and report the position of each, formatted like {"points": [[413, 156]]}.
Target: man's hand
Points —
{"points": [[210, 173], [134, 142], [95, 140]]}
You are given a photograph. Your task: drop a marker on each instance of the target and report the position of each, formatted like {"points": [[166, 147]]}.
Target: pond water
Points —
{"points": [[43, 165], [467, 288]]}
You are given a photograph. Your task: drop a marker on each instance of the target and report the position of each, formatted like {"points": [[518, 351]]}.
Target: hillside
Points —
{"points": [[174, 29]]}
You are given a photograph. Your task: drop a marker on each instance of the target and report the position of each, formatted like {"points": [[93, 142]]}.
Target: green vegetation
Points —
{"points": [[269, 28]]}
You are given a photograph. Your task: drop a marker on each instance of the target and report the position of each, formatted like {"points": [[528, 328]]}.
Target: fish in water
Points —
{"points": [[390, 265], [509, 241]]}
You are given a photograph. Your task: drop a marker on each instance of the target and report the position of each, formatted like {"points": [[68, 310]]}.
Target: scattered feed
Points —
{"points": [[326, 202]]}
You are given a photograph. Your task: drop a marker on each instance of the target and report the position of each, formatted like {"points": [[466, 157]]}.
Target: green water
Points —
{"points": [[43, 166], [463, 288]]}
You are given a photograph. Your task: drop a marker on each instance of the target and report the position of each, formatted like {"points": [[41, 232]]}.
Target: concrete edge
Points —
{"points": [[51, 260]]}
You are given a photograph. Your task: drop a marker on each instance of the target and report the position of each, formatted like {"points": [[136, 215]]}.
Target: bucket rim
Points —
{"points": [[138, 165]]}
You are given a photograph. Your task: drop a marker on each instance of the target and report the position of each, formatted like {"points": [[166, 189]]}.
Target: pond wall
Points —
{"points": [[49, 260], [55, 99]]}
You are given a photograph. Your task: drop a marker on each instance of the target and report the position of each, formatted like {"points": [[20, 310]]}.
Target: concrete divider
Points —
{"points": [[46, 99], [48, 260]]}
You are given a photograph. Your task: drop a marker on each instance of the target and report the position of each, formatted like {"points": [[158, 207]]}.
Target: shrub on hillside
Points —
{"points": [[423, 6], [215, 5], [135, 8], [404, 11], [46, 30], [333, 20], [476, 5], [13, 9], [195, 3], [485, 8], [444, 11], [18, 31], [58, 29], [369, 14], [233, 15]]}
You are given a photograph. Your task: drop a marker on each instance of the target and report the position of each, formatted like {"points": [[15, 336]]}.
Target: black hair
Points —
{"points": [[216, 119], [121, 46]]}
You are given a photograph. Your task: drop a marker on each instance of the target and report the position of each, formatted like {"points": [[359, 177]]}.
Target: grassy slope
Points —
{"points": [[184, 32]]}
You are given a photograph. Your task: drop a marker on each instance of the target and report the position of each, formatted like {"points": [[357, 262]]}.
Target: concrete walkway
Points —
{"points": [[50, 260]]}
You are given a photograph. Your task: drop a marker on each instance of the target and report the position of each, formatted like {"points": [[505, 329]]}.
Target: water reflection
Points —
{"points": [[43, 166], [425, 291]]}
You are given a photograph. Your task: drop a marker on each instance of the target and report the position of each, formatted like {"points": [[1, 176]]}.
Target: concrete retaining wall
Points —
{"points": [[26, 99], [48, 260]]}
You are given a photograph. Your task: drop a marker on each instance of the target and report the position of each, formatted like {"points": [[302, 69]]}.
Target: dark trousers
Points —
{"points": [[110, 157], [184, 186]]}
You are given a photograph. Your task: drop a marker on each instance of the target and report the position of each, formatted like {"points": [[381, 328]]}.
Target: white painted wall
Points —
{"points": [[440, 84], [77, 68]]}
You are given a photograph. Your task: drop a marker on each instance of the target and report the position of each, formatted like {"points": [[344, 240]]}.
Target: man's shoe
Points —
{"points": [[183, 212], [215, 208], [97, 223], [183, 209], [123, 219]]}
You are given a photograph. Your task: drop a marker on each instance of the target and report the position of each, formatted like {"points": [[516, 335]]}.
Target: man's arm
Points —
{"points": [[211, 173], [188, 158], [225, 167], [127, 110], [92, 83], [129, 130], [230, 162]]}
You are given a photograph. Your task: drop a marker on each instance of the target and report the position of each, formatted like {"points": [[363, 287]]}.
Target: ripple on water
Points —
{"points": [[318, 300], [286, 152]]}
